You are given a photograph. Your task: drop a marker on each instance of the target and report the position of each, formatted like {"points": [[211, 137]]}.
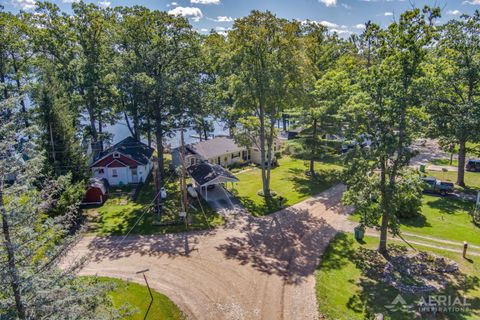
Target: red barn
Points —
{"points": [[96, 192]]}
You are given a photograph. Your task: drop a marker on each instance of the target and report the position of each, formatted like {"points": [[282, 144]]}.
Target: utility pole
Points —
{"points": [[183, 179]]}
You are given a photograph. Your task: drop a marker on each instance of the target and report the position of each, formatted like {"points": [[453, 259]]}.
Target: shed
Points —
{"points": [[205, 174], [96, 192]]}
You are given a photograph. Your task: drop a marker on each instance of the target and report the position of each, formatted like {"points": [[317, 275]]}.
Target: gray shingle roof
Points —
{"points": [[137, 150], [215, 147], [205, 172]]}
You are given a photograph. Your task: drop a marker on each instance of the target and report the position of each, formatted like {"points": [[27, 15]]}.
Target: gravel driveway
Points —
{"points": [[253, 268]]}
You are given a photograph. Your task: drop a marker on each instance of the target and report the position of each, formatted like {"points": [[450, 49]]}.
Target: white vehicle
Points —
{"points": [[191, 191], [163, 193]]}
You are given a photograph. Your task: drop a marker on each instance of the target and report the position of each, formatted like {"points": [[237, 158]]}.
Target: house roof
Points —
{"points": [[132, 148], [206, 173], [101, 184], [215, 147]]}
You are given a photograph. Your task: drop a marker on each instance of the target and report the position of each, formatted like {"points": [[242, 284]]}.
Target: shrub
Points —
{"points": [[261, 194]]}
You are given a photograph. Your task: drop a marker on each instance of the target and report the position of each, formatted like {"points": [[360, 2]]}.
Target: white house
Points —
{"points": [[223, 151], [129, 161]]}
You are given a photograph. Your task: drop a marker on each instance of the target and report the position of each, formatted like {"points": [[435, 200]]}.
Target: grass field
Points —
{"points": [[136, 297], [346, 291], [442, 217], [444, 162], [288, 180], [119, 213], [472, 179]]}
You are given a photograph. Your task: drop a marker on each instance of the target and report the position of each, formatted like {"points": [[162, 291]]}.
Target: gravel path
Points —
{"points": [[253, 268]]}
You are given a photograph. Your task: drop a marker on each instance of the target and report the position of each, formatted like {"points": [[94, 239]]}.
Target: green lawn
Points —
{"points": [[288, 180], [442, 217], [472, 179], [119, 213], [346, 289], [136, 297], [444, 162], [446, 218]]}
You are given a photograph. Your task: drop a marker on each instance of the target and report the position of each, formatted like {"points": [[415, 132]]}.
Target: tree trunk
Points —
{"points": [[266, 188], [129, 126], [160, 165], [314, 148], [205, 133], [12, 266], [149, 132], [462, 152], [270, 138], [382, 246], [19, 88]]}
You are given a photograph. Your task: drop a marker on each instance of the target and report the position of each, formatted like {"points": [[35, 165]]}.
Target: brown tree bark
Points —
{"points": [[12, 266], [462, 153]]}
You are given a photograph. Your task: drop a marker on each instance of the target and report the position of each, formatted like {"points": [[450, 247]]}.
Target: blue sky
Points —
{"points": [[343, 16]]}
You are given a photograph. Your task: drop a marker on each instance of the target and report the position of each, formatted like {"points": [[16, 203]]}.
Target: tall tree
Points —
{"points": [[387, 110], [454, 74], [324, 85], [95, 81], [32, 286], [263, 76]]}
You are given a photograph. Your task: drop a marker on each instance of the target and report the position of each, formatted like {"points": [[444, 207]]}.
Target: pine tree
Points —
{"points": [[32, 285]]}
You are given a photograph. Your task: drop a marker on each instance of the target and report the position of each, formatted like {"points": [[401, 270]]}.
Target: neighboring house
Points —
{"points": [[129, 161], [220, 150], [96, 192]]}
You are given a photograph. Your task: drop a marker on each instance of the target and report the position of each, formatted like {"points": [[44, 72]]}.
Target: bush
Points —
{"points": [[261, 194]]}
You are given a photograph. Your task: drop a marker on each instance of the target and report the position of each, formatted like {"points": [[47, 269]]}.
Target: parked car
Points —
{"points": [[473, 165], [432, 185], [191, 191], [163, 193]]}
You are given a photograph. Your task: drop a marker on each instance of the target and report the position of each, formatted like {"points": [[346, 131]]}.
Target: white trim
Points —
{"points": [[111, 153]]}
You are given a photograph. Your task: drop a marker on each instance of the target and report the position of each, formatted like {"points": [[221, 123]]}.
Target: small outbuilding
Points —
{"points": [[205, 174], [97, 192]]}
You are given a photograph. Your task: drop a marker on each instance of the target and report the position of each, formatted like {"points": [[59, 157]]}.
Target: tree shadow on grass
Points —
{"points": [[267, 205], [450, 205], [418, 221], [307, 185]]}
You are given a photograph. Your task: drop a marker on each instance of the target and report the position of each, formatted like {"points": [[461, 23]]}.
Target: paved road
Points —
{"points": [[253, 268]]}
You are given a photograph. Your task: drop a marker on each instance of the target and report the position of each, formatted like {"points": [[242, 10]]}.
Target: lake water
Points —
{"points": [[120, 131]]}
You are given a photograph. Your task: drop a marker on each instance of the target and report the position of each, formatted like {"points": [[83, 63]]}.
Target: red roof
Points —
{"points": [[122, 161]]}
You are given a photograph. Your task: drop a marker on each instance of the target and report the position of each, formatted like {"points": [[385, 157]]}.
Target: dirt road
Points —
{"points": [[253, 268]]}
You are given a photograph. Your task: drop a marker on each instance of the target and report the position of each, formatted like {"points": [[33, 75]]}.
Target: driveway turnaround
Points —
{"points": [[253, 268]]}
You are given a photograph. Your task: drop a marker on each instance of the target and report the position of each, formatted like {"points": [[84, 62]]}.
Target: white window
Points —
{"points": [[116, 155], [114, 173]]}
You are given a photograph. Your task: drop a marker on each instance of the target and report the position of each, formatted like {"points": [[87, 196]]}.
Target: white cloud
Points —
{"points": [[454, 12], [472, 2], [205, 1], [24, 4], [104, 3], [328, 3], [388, 14], [346, 6], [328, 24], [70, 1], [204, 30], [359, 26], [172, 4], [189, 12], [223, 19]]}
